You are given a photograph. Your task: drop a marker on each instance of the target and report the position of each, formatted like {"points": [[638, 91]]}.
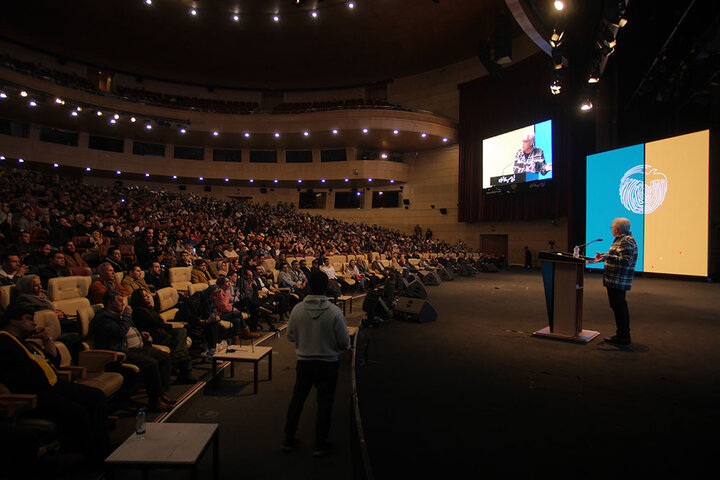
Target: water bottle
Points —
{"points": [[140, 422]]}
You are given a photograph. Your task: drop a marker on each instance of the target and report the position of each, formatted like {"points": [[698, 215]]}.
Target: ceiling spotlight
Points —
{"points": [[392, 180], [445, 139], [117, 172], [251, 180], [247, 135], [396, 132], [113, 121], [423, 135], [351, 5], [322, 180], [557, 37], [314, 14], [593, 78], [3, 95], [305, 134], [183, 131], [236, 18], [586, 105], [193, 12], [20, 160], [383, 155], [215, 133], [555, 86], [335, 131], [557, 59], [358, 193], [227, 179], [73, 113], [78, 109], [275, 180], [99, 113], [87, 169], [380, 193], [369, 179], [299, 180], [133, 119], [276, 18], [201, 178], [347, 179], [148, 127], [559, 6], [59, 101], [277, 135], [55, 165], [365, 130], [147, 175], [2, 157], [174, 177], [148, 2], [33, 103], [23, 94]]}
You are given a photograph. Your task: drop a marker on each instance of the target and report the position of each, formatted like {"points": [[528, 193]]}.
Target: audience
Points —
{"points": [[105, 283]]}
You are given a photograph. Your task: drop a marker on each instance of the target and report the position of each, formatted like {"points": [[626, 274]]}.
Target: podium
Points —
{"points": [[563, 281]]}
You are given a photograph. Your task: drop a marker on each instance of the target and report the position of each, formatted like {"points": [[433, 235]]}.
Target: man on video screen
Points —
{"points": [[530, 159]]}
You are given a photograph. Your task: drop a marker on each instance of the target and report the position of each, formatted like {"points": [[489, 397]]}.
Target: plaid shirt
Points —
{"points": [[533, 163], [620, 263]]}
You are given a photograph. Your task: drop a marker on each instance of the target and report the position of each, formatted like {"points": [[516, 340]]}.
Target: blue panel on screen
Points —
{"points": [[604, 173], [543, 139]]}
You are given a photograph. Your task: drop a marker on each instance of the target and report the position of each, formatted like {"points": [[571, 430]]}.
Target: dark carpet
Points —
{"points": [[474, 395]]}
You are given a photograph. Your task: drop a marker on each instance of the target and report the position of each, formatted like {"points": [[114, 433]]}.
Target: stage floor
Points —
{"points": [[474, 394]]}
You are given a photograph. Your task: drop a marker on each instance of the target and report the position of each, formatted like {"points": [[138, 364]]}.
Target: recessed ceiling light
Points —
{"points": [[32, 103], [201, 178], [559, 5], [147, 175], [396, 132], [335, 131], [117, 172], [305, 134], [183, 131], [251, 180], [55, 165], [174, 177], [23, 94], [423, 135], [365, 130], [74, 113], [322, 180], [347, 179], [276, 18], [227, 179], [277, 135], [314, 14], [148, 127], [99, 113], [236, 18], [275, 181], [87, 169], [445, 139], [193, 12], [351, 5], [215, 133], [247, 135], [133, 119]]}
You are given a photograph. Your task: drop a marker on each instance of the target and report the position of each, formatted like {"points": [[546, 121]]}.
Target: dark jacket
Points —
{"points": [[109, 330]]}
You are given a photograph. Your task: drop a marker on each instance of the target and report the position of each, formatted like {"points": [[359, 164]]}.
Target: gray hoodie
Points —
{"points": [[318, 329]]}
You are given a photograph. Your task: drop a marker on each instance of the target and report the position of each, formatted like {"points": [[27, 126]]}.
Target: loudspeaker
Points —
{"points": [[443, 211], [416, 310], [432, 278], [207, 188], [406, 201], [503, 40], [263, 190], [414, 289], [492, 68], [182, 187], [446, 274]]}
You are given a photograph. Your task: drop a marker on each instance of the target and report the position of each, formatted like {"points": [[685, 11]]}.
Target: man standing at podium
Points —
{"points": [[619, 268]]}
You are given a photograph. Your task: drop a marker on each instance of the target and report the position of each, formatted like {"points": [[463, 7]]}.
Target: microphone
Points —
{"points": [[508, 165], [576, 250]]}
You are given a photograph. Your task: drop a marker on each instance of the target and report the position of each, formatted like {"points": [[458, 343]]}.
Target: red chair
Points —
{"points": [[128, 253], [80, 272]]}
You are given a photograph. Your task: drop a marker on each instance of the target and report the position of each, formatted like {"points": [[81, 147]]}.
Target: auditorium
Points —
{"points": [[363, 239]]}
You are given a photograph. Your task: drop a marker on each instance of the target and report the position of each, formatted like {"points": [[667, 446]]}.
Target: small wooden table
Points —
{"points": [[245, 353], [167, 445]]}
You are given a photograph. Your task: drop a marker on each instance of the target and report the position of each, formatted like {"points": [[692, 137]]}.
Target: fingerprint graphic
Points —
{"points": [[643, 197]]}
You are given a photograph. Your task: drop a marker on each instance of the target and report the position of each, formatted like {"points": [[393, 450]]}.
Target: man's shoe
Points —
{"points": [[322, 448], [615, 340], [289, 444]]}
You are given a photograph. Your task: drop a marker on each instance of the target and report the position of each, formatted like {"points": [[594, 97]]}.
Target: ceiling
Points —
{"points": [[376, 41]]}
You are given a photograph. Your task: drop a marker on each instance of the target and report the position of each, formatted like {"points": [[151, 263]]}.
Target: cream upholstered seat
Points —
{"points": [[68, 294], [167, 299], [180, 278], [196, 287], [7, 295]]}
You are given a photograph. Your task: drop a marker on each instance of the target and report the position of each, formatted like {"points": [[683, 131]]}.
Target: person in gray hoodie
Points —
{"points": [[317, 327]]}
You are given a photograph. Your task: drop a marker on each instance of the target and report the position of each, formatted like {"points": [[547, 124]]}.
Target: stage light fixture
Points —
{"points": [[277, 135], [396, 132], [556, 87], [347, 180], [251, 180], [559, 5], [423, 135], [557, 59], [236, 18], [305, 134], [335, 131], [193, 12], [215, 133], [322, 180], [98, 113], [148, 2], [201, 178], [117, 172], [383, 155], [59, 101], [586, 105], [55, 165], [116, 116], [32, 103], [365, 130], [183, 131], [247, 135], [148, 127], [369, 179], [392, 180], [299, 180], [78, 109], [133, 119], [227, 179], [87, 169], [380, 192], [276, 18], [73, 113], [275, 180], [314, 14], [351, 5], [20, 160], [2, 157], [23, 94], [3, 95], [113, 121], [557, 37], [147, 175], [174, 177], [445, 139]]}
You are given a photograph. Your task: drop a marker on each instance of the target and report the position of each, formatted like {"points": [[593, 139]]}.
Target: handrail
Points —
{"points": [[364, 455]]}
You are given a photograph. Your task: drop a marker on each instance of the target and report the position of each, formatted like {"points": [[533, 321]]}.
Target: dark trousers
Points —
{"points": [[80, 412], [235, 317], [620, 309], [322, 375], [155, 368]]}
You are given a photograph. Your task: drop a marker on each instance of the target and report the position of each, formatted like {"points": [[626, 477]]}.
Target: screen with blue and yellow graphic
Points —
{"points": [[662, 187]]}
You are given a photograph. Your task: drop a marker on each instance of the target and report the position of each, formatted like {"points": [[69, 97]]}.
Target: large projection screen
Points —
{"points": [[663, 188]]}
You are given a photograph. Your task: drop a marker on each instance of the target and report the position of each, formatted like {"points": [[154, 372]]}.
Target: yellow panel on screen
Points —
{"points": [[676, 204]]}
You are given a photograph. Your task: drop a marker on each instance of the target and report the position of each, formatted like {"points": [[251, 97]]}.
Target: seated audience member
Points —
{"points": [[202, 319], [55, 269], [106, 282], [335, 283], [230, 313], [134, 280], [61, 232], [113, 329], [146, 319], [114, 258], [72, 257], [303, 267], [95, 241], [230, 252], [155, 277], [217, 252], [218, 269], [184, 260], [11, 269], [146, 248], [354, 271], [200, 273], [23, 247], [26, 368], [273, 296], [38, 259]]}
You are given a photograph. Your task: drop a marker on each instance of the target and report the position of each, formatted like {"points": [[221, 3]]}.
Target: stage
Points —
{"points": [[474, 394]]}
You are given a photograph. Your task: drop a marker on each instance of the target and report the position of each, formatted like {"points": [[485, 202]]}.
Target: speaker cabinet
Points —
{"points": [[446, 274], [416, 310], [414, 289], [432, 278]]}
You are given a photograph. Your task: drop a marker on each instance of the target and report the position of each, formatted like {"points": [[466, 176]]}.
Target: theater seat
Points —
{"points": [[7, 295], [68, 294], [180, 278], [196, 287], [167, 299]]}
